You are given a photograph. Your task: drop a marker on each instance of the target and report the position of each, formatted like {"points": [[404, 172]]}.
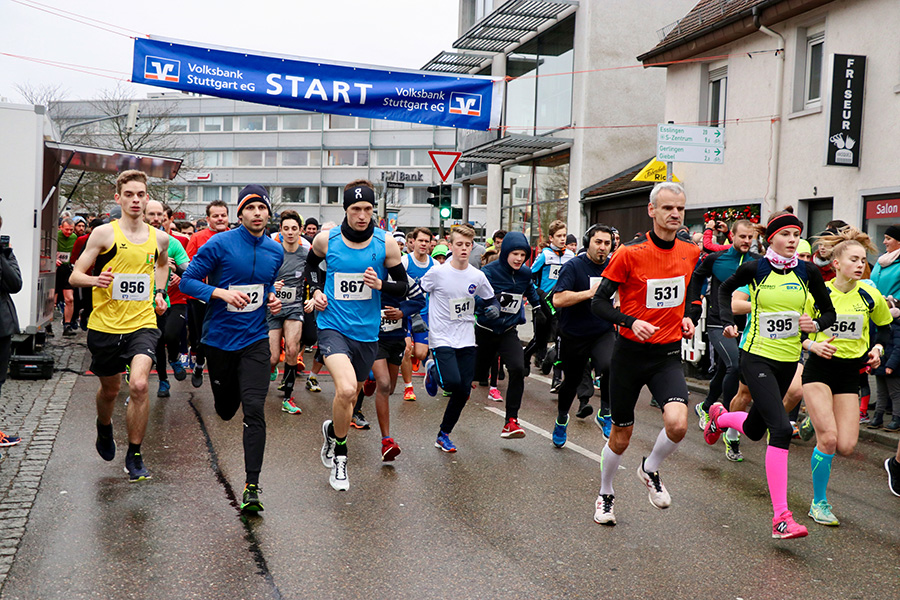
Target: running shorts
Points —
{"points": [[112, 352], [839, 374], [391, 350], [634, 365], [287, 313], [361, 354]]}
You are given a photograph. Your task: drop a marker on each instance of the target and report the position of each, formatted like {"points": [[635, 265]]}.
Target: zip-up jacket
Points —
{"points": [[233, 258], [719, 266], [509, 285]]}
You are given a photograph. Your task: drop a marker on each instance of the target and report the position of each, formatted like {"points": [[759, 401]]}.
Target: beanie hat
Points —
{"points": [[893, 231], [803, 247], [399, 236], [253, 193], [312, 221], [571, 239], [360, 193]]}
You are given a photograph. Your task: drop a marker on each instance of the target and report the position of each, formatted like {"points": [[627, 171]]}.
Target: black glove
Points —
{"points": [[417, 323]]}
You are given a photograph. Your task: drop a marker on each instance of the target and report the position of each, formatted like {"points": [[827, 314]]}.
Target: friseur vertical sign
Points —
{"points": [[463, 101], [848, 84]]}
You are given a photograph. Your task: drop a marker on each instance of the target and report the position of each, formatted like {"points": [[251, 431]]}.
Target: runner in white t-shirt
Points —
{"points": [[452, 288]]}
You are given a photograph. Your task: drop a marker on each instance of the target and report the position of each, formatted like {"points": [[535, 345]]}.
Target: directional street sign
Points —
{"points": [[444, 162], [395, 185], [682, 143]]}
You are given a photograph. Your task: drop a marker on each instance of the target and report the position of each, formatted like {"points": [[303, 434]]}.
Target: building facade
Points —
{"points": [[774, 74]]}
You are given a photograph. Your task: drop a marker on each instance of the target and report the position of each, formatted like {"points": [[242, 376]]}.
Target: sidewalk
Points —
{"points": [[32, 409], [879, 436]]}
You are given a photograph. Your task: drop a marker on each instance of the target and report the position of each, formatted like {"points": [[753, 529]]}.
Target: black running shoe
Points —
{"points": [[554, 385], [197, 377], [134, 466], [250, 501], [584, 411], [106, 445]]}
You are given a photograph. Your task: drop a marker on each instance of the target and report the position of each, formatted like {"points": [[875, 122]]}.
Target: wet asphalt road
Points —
{"points": [[498, 519]]}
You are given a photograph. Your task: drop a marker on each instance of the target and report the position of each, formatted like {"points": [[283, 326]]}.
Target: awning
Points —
{"points": [[513, 147], [510, 23], [100, 160], [454, 62]]}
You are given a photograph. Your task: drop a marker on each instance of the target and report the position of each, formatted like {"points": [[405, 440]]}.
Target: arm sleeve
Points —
{"points": [[312, 273], [396, 288], [701, 274], [743, 276], [201, 265], [827, 315], [602, 306]]}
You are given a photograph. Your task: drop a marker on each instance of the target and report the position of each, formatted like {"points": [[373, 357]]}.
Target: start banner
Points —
{"points": [[461, 101]]}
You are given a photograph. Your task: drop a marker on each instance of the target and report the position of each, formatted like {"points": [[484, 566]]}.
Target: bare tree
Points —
{"points": [[46, 95]]}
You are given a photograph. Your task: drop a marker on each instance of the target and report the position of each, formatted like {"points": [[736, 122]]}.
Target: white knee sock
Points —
{"points": [[661, 450], [608, 466]]}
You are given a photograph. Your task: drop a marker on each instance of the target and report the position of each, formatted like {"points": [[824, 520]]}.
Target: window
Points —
{"points": [[384, 158], [812, 91], [194, 123], [250, 158], [293, 195], [212, 124], [341, 158], [211, 193], [178, 124], [420, 195], [718, 82], [271, 158], [342, 122], [405, 158], [272, 123], [316, 122], [212, 159], [295, 122], [294, 158], [421, 157], [251, 123], [362, 158], [333, 195]]}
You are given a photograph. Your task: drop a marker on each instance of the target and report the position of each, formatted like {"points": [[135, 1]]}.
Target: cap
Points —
{"points": [[253, 193], [440, 250]]}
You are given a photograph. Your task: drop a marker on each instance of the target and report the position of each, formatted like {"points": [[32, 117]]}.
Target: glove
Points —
{"points": [[492, 312], [417, 324]]}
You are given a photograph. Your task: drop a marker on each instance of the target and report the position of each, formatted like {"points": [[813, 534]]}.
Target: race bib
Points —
{"points": [[287, 295], [389, 324], [847, 327], [779, 325], [554, 272], [461, 308], [594, 281], [131, 287], [255, 292], [510, 303], [350, 286], [665, 293], [63, 257]]}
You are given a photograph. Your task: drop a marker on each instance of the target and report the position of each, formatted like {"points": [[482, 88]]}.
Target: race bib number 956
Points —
{"points": [[130, 287]]}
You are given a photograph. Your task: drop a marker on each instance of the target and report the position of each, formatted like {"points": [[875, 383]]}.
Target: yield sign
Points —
{"points": [[444, 162]]}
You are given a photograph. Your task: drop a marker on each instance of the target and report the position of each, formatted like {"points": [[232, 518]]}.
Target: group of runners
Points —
{"points": [[617, 312]]}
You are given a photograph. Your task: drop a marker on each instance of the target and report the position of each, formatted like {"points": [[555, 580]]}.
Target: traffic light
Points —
{"points": [[441, 200]]}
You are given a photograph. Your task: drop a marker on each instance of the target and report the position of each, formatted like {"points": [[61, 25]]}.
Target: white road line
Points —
{"points": [[546, 380], [546, 434]]}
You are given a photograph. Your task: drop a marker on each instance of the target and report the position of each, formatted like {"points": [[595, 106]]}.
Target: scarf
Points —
{"points": [[357, 237], [780, 262], [888, 258]]}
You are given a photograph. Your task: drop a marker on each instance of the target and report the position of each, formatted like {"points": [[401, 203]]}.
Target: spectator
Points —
{"points": [[887, 379], [886, 273], [10, 283], [572, 243]]}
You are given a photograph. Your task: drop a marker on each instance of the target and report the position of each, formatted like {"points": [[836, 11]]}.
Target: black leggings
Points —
{"points": [[575, 353], [509, 347], [544, 330], [768, 381], [456, 368], [196, 316], [170, 324]]}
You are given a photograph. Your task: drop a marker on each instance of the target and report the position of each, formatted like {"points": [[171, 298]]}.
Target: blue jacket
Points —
{"points": [[509, 285], [887, 279], [234, 257]]}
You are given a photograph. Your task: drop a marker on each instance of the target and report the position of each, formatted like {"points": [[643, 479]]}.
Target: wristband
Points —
{"points": [[164, 294]]}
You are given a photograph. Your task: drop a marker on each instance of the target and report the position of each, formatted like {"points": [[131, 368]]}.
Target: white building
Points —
{"points": [[776, 107]]}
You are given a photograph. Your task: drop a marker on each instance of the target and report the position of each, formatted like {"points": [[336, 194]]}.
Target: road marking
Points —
{"points": [[546, 380], [543, 432]]}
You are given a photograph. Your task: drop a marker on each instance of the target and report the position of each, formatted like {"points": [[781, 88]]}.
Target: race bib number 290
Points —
{"points": [[665, 293], [130, 287]]}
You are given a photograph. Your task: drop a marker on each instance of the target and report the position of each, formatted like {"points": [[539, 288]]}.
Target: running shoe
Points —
{"points": [[409, 395], [596, 383], [554, 385], [431, 384], [359, 421], [559, 434], [494, 394], [197, 376], [134, 466], [512, 429], [863, 418], [584, 411], [327, 453], [338, 479], [603, 511], [416, 363], [163, 391], [795, 431], [69, 331], [445, 394], [657, 493], [312, 384], [273, 374], [250, 500], [702, 414], [733, 450], [178, 370], [893, 470], [389, 449], [443, 442], [785, 528], [289, 406], [9, 440], [821, 513], [106, 445], [369, 385], [127, 374], [807, 430], [712, 432], [604, 423]]}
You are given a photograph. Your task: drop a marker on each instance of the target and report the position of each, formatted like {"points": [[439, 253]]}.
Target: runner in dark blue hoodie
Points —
{"points": [[511, 280]]}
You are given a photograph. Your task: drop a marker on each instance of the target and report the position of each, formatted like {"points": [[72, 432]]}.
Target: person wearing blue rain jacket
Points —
{"points": [[512, 283]]}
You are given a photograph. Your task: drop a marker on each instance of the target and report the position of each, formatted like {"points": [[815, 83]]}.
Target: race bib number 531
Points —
{"points": [[665, 293]]}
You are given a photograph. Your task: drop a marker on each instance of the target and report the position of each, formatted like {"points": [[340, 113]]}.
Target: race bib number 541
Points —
{"points": [[665, 293], [461, 308]]}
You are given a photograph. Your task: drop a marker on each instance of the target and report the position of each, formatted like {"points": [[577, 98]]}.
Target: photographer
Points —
{"points": [[10, 283]]}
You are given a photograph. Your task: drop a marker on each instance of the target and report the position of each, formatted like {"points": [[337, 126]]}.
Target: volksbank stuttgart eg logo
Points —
{"points": [[465, 104], [162, 69]]}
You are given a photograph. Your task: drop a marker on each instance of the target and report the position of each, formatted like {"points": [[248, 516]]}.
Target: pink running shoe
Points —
{"points": [[785, 528], [712, 432], [494, 394]]}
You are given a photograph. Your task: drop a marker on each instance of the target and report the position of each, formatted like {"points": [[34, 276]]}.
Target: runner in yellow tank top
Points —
{"points": [[129, 281]]}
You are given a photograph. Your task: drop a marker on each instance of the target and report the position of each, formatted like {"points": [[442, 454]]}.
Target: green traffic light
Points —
{"points": [[445, 212]]}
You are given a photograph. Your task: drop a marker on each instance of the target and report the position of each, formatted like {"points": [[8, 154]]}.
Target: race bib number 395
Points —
{"points": [[350, 286], [665, 293], [131, 287], [779, 325], [255, 292]]}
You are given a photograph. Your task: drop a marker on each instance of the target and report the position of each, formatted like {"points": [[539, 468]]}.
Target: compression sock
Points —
{"points": [[864, 404], [662, 449], [340, 446], [732, 435], [331, 430], [134, 448], [821, 473], [734, 420], [776, 475], [609, 464], [290, 375]]}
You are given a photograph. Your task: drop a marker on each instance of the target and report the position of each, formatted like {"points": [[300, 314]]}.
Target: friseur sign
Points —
{"points": [[848, 84], [462, 101]]}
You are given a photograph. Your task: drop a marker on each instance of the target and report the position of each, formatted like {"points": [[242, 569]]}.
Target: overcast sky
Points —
{"points": [[392, 33]]}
